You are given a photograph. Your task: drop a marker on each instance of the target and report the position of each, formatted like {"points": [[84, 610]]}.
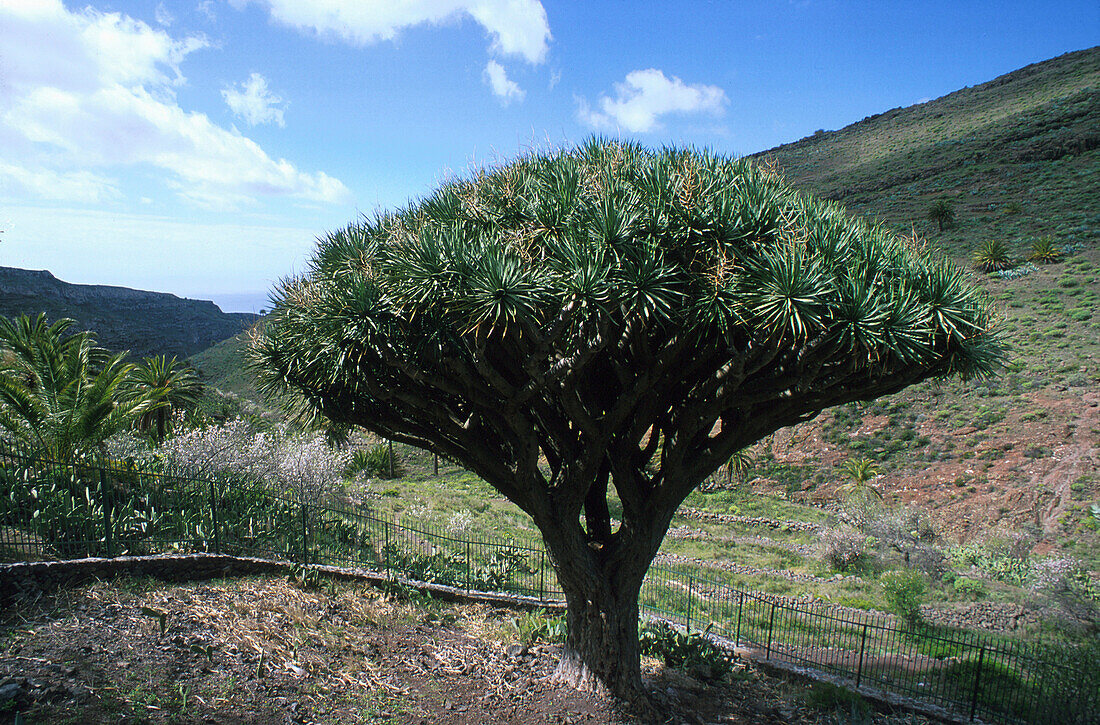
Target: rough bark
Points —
{"points": [[601, 646]]}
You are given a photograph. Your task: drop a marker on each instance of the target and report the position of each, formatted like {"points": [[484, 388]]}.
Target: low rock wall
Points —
{"points": [[25, 581], [698, 515], [988, 616]]}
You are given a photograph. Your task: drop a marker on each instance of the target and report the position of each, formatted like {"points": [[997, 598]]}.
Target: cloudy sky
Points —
{"points": [[199, 146]]}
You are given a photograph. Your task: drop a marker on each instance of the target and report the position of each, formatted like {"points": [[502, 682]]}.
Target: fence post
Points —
{"points": [[107, 505], [386, 544], [435, 463], [771, 626], [977, 682], [467, 565], [305, 535], [691, 599], [542, 576], [214, 518], [862, 647], [391, 459], [740, 606]]}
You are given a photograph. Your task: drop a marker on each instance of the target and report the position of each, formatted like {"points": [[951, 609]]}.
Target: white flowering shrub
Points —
{"points": [[305, 465], [230, 448], [1066, 580], [460, 522], [844, 549], [126, 446], [1058, 575]]}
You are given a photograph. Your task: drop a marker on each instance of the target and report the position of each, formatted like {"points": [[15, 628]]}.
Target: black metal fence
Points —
{"points": [[63, 511]]}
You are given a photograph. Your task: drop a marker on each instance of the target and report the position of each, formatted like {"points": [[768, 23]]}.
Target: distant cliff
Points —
{"points": [[145, 323]]}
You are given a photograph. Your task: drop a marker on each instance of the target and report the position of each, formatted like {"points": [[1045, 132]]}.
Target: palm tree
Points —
{"points": [[942, 212], [60, 393], [169, 386], [860, 471]]}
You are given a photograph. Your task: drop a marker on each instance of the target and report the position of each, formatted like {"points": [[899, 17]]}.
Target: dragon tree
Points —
{"points": [[610, 320]]}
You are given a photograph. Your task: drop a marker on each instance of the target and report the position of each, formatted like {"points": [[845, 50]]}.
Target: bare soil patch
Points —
{"points": [[263, 650]]}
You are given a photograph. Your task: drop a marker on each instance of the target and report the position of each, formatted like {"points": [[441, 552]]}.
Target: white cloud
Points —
{"points": [[162, 15], [517, 27], [206, 8], [254, 103], [503, 88], [85, 90], [645, 96], [78, 186]]}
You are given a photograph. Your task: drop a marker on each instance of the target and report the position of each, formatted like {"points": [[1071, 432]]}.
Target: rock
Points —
{"points": [[10, 690], [516, 650]]}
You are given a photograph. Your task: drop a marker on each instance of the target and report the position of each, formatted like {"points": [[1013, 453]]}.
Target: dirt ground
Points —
{"points": [[264, 650]]}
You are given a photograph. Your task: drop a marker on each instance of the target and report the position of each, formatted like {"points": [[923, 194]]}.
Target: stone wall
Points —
{"points": [[698, 515]]}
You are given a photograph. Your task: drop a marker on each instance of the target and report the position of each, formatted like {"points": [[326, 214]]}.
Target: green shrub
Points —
{"points": [[541, 626], [997, 559], [971, 588], [693, 652], [850, 706], [373, 461], [992, 256], [1000, 690], [904, 589], [451, 569]]}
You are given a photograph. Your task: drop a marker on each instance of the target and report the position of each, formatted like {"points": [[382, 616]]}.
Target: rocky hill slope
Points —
{"points": [[145, 323]]}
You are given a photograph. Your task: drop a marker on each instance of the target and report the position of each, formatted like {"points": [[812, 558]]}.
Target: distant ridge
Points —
{"points": [[145, 323]]}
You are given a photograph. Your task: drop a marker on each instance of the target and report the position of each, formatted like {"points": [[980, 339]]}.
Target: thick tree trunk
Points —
{"points": [[601, 646]]}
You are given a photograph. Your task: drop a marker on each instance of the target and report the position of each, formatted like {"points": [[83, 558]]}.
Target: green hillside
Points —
{"points": [[1017, 156], [222, 366]]}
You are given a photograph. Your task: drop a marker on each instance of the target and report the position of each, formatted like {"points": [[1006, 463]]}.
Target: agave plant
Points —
{"points": [[992, 256], [1044, 250]]}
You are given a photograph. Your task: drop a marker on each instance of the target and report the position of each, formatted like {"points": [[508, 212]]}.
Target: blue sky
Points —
{"points": [[199, 147]]}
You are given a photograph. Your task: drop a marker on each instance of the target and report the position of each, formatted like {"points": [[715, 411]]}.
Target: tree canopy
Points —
{"points": [[612, 316]]}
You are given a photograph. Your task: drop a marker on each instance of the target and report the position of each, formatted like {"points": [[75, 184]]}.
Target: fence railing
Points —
{"points": [[63, 511]]}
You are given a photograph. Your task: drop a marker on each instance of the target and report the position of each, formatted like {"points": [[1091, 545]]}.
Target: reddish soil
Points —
{"points": [[1011, 475]]}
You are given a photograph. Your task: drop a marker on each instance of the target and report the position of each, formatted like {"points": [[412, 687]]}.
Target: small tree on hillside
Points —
{"points": [[859, 472], [942, 211], [610, 317]]}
